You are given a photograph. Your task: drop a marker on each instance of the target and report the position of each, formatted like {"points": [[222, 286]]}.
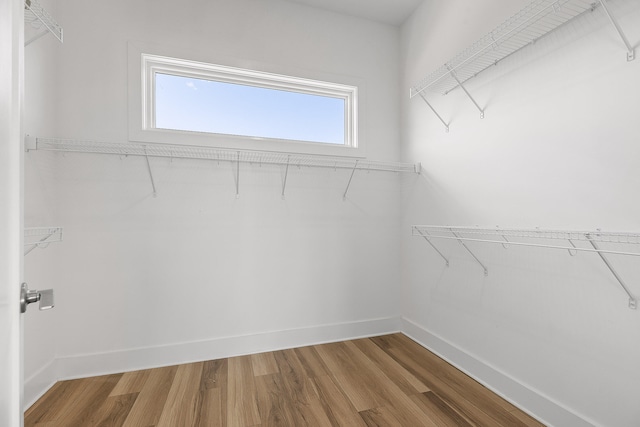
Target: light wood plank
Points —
{"points": [[382, 392], [242, 407], [303, 397], [360, 388], [213, 412], [439, 411], [131, 382], [407, 382], [264, 364], [472, 406], [451, 374], [336, 405], [275, 409], [49, 424], [385, 342], [315, 411], [312, 362], [379, 417], [148, 406], [80, 408], [214, 374], [183, 402], [50, 403], [403, 408], [113, 411], [213, 389]]}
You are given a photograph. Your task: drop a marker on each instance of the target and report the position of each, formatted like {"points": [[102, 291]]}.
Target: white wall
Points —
{"points": [[558, 149], [196, 273]]}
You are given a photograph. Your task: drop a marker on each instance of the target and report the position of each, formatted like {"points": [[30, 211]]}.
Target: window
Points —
{"points": [[199, 105], [223, 106]]}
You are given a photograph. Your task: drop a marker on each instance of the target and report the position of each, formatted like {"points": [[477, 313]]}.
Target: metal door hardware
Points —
{"points": [[28, 296]]}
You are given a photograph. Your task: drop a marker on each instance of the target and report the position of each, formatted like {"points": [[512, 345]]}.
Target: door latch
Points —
{"points": [[28, 296]]}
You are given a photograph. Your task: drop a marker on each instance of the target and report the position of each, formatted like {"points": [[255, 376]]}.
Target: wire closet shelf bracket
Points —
{"points": [[234, 156], [536, 238], [40, 237], [536, 20], [37, 17]]}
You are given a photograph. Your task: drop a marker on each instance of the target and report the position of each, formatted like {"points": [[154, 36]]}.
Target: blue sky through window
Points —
{"points": [[190, 104]]}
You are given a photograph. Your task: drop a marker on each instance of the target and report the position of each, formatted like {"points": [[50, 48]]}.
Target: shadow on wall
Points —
{"points": [[420, 194]]}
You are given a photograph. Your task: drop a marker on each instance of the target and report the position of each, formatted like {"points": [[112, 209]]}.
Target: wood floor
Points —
{"points": [[382, 381]]}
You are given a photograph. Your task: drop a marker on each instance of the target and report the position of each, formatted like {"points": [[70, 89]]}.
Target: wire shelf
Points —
{"points": [[36, 16], [527, 237], [35, 237], [218, 154], [498, 234], [536, 20]]}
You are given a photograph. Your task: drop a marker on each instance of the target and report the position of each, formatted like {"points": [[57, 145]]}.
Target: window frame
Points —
{"points": [[144, 66]]}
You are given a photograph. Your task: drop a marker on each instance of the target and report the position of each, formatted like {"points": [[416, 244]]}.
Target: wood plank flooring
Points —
{"points": [[382, 381]]}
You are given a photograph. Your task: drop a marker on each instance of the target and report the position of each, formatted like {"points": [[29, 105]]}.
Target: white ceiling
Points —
{"points": [[393, 12]]}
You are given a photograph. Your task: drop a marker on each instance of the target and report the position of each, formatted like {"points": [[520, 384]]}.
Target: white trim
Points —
{"points": [[39, 383], [145, 62], [11, 210], [545, 409]]}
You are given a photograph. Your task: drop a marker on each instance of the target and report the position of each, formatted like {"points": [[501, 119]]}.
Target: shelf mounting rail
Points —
{"points": [[233, 156], [536, 20], [528, 237]]}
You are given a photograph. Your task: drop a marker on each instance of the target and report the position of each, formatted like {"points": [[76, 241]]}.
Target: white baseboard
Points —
{"points": [[38, 383], [88, 365], [541, 407]]}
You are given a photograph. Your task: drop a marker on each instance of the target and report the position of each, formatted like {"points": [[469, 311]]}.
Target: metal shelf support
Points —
{"points": [[455, 77], [434, 248], [486, 272], [631, 55], [446, 125], [633, 304], [575, 251], [286, 173], [153, 184], [238, 175], [353, 171]]}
